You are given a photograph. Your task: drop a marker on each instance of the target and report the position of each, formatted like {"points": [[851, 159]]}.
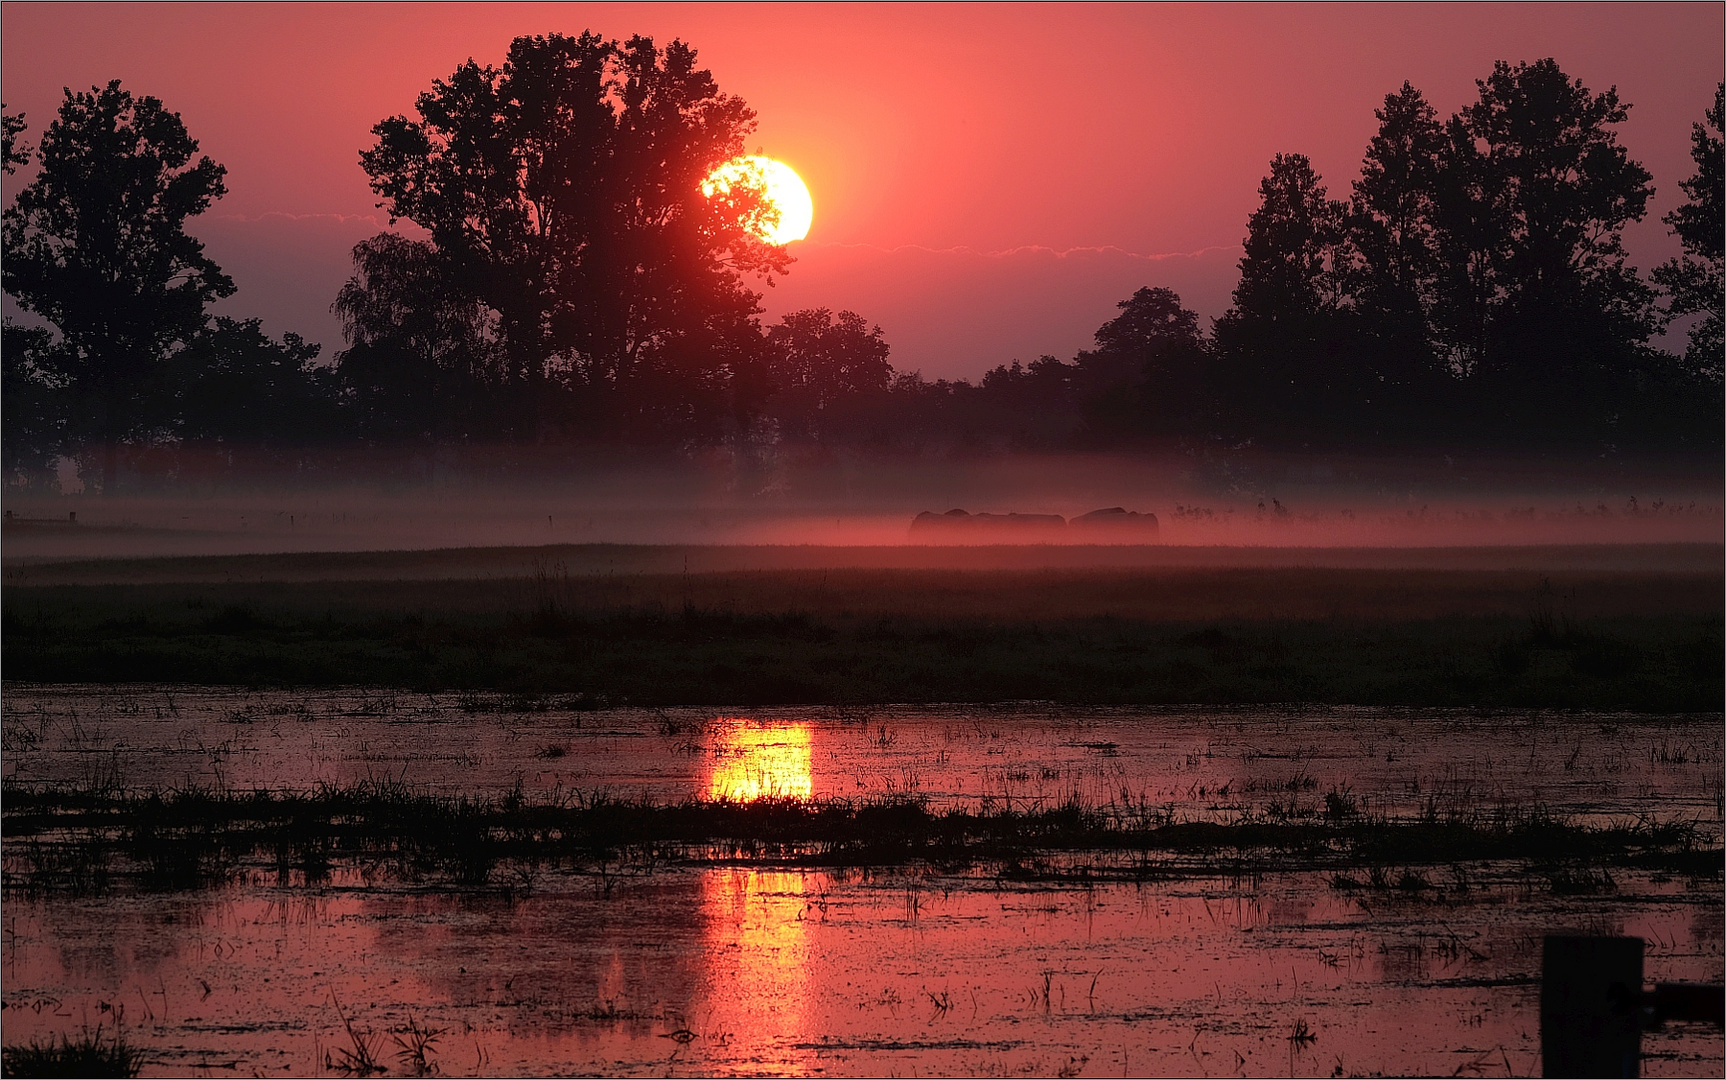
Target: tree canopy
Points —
{"points": [[1477, 282], [1563, 306], [572, 280], [96, 246], [1695, 280], [562, 192]]}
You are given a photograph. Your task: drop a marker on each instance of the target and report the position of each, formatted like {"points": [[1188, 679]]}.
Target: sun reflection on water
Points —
{"points": [[758, 949], [757, 761]]}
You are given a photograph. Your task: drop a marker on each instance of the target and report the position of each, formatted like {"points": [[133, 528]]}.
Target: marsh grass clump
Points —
{"points": [[1578, 880], [416, 1047], [1340, 804], [78, 840], [88, 1054]]}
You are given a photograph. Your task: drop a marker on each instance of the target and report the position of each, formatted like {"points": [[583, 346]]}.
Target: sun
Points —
{"points": [[784, 190]]}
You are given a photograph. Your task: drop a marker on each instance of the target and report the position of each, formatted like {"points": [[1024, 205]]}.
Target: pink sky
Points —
{"points": [[988, 181]]}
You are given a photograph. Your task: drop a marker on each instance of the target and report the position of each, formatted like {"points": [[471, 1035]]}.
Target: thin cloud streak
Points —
{"points": [[1024, 249]]}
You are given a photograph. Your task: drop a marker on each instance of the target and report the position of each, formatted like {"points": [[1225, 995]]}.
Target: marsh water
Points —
{"points": [[728, 965]]}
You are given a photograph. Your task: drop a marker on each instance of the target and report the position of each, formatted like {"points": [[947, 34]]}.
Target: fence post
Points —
{"points": [[1590, 998]]}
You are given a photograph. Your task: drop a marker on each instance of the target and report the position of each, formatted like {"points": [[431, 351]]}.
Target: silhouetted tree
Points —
{"points": [[1546, 314], [242, 388], [96, 246], [1277, 343], [423, 361], [1393, 229], [1149, 373], [1018, 406], [1393, 276], [1696, 280], [816, 363], [563, 192]]}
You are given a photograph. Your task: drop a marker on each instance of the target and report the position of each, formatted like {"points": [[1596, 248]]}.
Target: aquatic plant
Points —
{"points": [[416, 1046], [75, 839], [91, 1053], [360, 1058]]}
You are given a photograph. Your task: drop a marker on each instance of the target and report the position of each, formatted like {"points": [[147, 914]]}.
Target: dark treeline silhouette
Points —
{"points": [[571, 285]]}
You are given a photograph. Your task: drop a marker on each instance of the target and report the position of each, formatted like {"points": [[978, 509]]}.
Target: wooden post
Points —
{"points": [[1590, 1001], [1687, 1001]]}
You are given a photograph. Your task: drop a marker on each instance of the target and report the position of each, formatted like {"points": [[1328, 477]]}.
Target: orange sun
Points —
{"points": [[784, 193]]}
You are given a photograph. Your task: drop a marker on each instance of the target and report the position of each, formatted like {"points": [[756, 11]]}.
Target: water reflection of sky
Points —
{"points": [[1213, 765], [746, 970], [757, 948], [761, 761]]}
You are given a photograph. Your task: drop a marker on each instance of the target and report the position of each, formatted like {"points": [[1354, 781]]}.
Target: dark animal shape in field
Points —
{"points": [[955, 524], [1117, 522]]}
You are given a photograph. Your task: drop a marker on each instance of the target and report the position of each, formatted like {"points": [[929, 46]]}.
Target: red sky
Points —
{"points": [[988, 181]]}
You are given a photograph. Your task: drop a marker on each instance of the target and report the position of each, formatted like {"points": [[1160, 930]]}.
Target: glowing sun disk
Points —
{"points": [[783, 191]]}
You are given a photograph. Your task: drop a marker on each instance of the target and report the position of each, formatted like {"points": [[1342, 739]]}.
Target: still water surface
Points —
{"points": [[1198, 763], [691, 968]]}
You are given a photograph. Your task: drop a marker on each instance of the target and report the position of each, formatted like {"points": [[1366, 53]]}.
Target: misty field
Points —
{"points": [[1646, 637]]}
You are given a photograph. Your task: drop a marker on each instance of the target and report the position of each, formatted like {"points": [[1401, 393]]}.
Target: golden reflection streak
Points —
{"points": [[762, 762], [758, 951], [757, 943]]}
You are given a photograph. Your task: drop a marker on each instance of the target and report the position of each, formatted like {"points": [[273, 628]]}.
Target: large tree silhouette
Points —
{"points": [[563, 192], [1547, 312], [1149, 374], [1696, 280], [816, 362], [1393, 228], [96, 246], [1277, 340]]}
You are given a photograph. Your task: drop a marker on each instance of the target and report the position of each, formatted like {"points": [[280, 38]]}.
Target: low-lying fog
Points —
{"points": [[717, 501]]}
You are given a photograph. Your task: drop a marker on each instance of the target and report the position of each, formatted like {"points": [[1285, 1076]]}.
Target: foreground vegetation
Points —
{"points": [[1643, 642], [91, 840], [88, 1054]]}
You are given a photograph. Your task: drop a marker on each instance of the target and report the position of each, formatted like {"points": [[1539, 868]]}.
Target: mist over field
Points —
{"points": [[722, 498]]}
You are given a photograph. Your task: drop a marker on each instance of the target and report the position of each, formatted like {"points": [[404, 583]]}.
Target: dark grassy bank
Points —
{"points": [[634, 562], [1636, 641], [92, 840]]}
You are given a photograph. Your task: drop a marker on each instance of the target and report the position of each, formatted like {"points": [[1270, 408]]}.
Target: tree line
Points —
{"points": [[568, 283]]}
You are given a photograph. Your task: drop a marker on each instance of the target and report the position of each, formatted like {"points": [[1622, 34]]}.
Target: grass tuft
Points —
{"points": [[90, 1054], [192, 837]]}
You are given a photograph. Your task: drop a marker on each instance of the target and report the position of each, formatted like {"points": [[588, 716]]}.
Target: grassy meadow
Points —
{"points": [[1578, 636]]}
